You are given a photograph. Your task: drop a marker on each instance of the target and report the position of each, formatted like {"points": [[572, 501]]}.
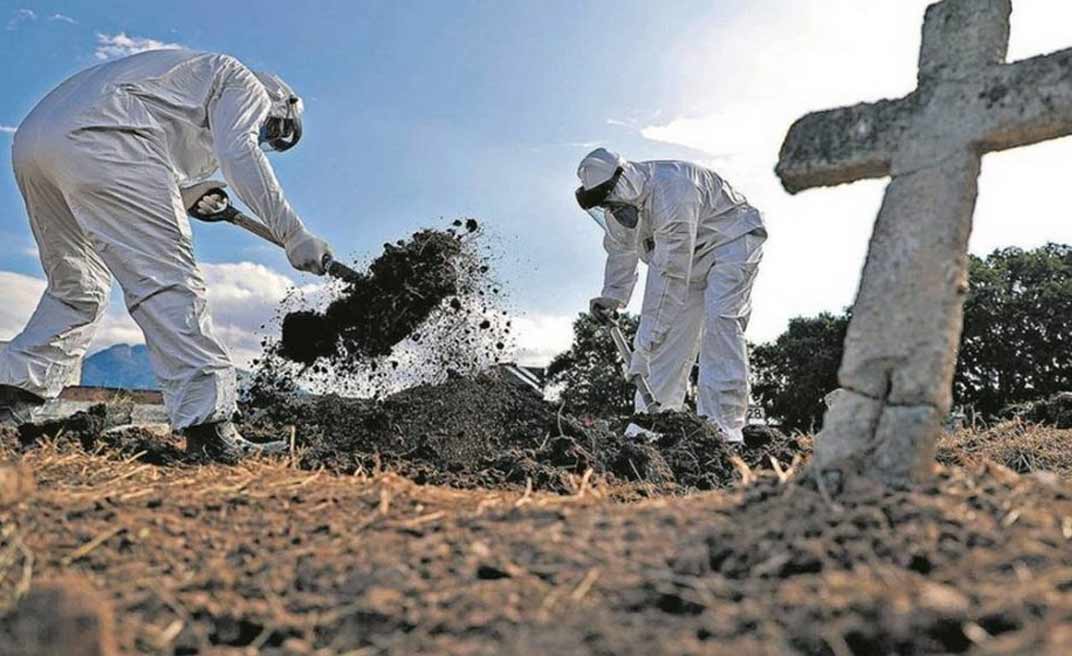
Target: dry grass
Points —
{"points": [[1020, 446]]}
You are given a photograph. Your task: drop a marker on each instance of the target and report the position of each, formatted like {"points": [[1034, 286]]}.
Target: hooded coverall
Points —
{"points": [[100, 162], [702, 243]]}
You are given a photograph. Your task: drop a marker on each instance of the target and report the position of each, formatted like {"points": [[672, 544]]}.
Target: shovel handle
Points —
{"points": [[231, 214], [626, 353], [256, 227]]}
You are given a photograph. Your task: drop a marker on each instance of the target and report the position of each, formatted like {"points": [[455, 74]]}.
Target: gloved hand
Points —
{"points": [[211, 204], [307, 252], [193, 196], [603, 308]]}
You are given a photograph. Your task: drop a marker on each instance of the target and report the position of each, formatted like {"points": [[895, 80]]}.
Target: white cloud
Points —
{"points": [[8, 129], [540, 337], [20, 294], [21, 16], [110, 46], [242, 297], [116, 327], [63, 19], [744, 98]]}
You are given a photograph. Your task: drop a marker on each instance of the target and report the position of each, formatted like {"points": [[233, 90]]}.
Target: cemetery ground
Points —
{"points": [[275, 557]]}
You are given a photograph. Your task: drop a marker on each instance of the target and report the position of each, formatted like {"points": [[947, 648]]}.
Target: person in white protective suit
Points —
{"points": [[101, 163], [702, 243]]}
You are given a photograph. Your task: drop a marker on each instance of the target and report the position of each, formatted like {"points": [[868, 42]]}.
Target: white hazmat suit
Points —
{"points": [[100, 163], [702, 243]]}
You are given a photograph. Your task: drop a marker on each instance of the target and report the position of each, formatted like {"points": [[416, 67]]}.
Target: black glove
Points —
{"points": [[604, 310]]}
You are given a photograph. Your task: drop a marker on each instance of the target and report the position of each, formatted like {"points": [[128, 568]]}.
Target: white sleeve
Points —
{"points": [[620, 272], [677, 213], [235, 118]]}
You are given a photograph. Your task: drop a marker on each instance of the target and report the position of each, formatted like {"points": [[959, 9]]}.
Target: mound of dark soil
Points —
{"points": [[484, 431], [701, 460]]}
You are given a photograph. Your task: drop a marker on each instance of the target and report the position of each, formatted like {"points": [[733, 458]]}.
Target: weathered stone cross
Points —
{"points": [[901, 347]]}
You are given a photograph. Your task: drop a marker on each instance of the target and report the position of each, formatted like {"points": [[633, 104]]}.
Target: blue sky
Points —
{"points": [[422, 110], [414, 110]]}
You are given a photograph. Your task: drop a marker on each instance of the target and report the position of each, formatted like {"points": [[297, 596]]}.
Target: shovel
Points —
{"points": [[626, 353], [231, 214]]}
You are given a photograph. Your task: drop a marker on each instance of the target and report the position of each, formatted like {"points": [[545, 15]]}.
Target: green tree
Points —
{"points": [[791, 375], [1017, 339], [590, 372], [1016, 344]]}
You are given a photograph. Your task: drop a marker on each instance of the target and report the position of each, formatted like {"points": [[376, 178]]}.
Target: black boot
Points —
{"points": [[17, 405], [221, 441]]}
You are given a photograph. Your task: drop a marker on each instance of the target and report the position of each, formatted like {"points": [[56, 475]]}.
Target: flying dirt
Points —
{"points": [[426, 306]]}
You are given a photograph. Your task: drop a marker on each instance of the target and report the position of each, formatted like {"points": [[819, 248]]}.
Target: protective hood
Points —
{"points": [[283, 129], [610, 185], [598, 167]]}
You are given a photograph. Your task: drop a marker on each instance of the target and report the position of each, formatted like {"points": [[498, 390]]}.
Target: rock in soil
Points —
{"points": [[16, 483], [63, 616]]}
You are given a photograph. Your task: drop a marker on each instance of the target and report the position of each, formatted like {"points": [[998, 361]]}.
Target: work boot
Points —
{"points": [[17, 405], [221, 441]]}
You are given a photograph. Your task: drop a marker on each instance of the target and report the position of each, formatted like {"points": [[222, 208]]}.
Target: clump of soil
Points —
{"points": [[485, 431], [382, 306], [63, 616]]}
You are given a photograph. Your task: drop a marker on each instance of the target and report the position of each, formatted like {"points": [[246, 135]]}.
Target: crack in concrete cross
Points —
{"points": [[900, 351]]}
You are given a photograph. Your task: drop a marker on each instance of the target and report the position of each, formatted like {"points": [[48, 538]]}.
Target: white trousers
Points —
{"points": [[104, 203], [712, 326]]}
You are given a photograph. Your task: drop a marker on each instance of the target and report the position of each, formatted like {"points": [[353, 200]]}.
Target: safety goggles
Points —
{"points": [[597, 195], [282, 133]]}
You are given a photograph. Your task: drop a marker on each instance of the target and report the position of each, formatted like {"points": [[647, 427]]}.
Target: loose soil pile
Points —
{"points": [[485, 431], [267, 559], [482, 431]]}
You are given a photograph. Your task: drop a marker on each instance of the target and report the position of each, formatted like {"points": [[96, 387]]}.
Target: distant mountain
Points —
{"points": [[122, 366], [126, 366]]}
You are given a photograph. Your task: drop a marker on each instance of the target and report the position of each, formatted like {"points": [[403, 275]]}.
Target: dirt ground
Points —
{"points": [[270, 558]]}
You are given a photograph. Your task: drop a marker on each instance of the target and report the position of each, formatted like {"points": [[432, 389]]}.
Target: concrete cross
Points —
{"points": [[901, 347]]}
